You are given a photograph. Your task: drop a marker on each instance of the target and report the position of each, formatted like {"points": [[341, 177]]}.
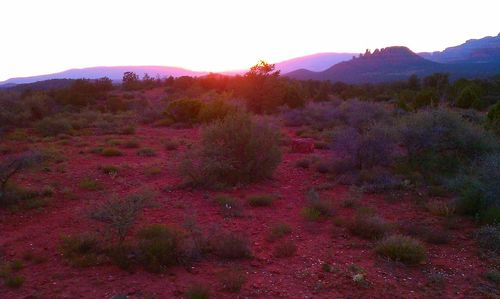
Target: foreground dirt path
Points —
{"points": [[38, 231]]}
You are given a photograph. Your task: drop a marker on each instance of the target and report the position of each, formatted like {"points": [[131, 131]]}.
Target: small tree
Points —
{"points": [[264, 92], [12, 166], [130, 81]]}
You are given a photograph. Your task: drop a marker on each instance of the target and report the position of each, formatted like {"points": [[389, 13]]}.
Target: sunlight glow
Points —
{"points": [[40, 37]]}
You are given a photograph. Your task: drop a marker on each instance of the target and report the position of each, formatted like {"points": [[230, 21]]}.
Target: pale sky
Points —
{"points": [[46, 36]]}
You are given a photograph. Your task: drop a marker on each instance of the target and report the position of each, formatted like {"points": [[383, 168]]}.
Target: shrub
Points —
{"points": [[10, 167], [131, 144], [159, 247], [439, 142], [109, 169], [197, 291], [230, 206], [81, 250], [316, 208], [91, 184], [278, 231], [402, 249], [171, 145], [440, 208], [14, 281], [235, 150], [146, 152], [229, 245], [369, 226], [261, 200], [488, 238], [121, 213], [493, 118], [363, 150], [52, 126], [184, 110], [111, 152], [232, 279], [285, 249], [215, 110], [478, 189]]}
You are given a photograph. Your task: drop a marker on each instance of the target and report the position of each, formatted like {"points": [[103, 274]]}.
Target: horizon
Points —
{"points": [[226, 35]]}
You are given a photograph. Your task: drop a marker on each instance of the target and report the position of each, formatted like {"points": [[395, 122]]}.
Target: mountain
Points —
{"points": [[316, 62], [394, 64], [482, 50], [115, 73], [387, 64]]}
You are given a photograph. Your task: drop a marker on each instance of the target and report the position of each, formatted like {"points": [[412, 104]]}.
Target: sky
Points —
{"points": [[45, 36]]}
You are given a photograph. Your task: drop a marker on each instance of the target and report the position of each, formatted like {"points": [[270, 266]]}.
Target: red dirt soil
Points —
{"points": [[300, 276]]}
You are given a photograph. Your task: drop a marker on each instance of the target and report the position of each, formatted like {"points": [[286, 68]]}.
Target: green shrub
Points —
{"points": [[439, 142], [159, 247], [232, 279], [146, 152], [14, 281], [171, 145], [184, 110], [235, 150], [285, 249], [120, 213], [488, 238], [316, 208], [229, 245], [478, 188], [109, 169], [197, 291], [52, 126], [261, 200], [230, 206], [215, 110], [131, 144], [111, 152], [369, 226], [278, 231], [91, 184], [493, 118], [81, 250], [402, 249]]}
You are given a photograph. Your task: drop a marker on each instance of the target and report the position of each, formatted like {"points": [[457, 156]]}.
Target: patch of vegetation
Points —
{"points": [[197, 291], [81, 250], [278, 231], [171, 145], [488, 238], [235, 150], [146, 152], [263, 200], [402, 249], [232, 279], [111, 152], [120, 213], [230, 206], [285, 249], [91, 184], [369, 226], [316, 208], [131, 144], [230, 245], [109, 169], [159, 247], [14, 281]]}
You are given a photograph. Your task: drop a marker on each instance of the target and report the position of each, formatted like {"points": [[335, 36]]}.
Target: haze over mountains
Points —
{"points": [[474, 58]]}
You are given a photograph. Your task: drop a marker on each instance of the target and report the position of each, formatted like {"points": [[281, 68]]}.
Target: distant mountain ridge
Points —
{"points": [[482, 50], [476, 58], [115, 73]]}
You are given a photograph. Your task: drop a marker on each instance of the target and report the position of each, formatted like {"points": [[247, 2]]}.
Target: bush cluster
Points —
{"points": [[235, 150]]}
